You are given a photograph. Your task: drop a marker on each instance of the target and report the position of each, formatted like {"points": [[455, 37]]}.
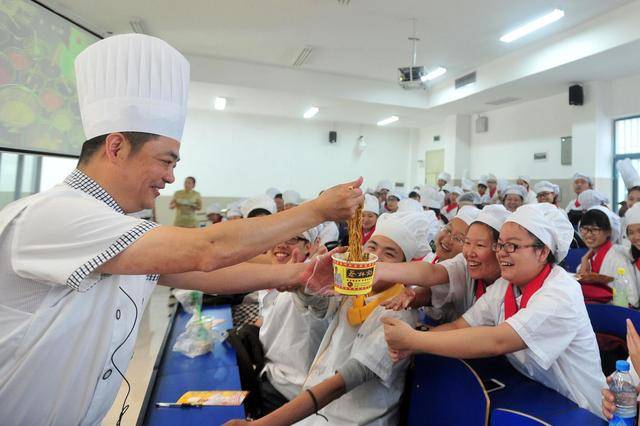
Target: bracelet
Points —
{"points": [[315, 405]]}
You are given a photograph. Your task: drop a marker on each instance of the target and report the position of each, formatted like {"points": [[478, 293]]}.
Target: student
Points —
{"points": [[276, 194], [391, 204], [443, 179], [600, 230], [258, 206], [233, 210], [455, 284], [370, 213], [547, 192], [534, 314], [469, 199], [352, 379], [382, 190], [513, 196], [524, 180], [482, 189], [432, 200], [574, 209], [415, 195], [214, 213], [290, 199], [451, 207], [491, 195]]}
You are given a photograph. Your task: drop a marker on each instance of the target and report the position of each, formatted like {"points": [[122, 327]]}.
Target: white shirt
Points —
{"points": [[375, 402], [562, 352], [572, 206], [290, 335], [531, 197], [66, 333]]}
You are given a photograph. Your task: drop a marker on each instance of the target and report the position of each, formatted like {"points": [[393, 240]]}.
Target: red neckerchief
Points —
{"points": [[598, 257], [577, 203], [481, 288], [418, 259], [492, 192], [451, 207], [510, 305], [435, 260], [367, 235], [638, 263]]}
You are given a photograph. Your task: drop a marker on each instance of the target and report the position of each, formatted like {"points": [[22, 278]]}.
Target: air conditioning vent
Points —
{"points": [[466, 79], [503, 101]]}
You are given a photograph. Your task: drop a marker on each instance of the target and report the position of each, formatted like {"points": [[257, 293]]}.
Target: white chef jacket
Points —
{"points": [[531, 197], [375, 402], [290, 335], [67, 334], [572, 206], [562, 352], [617, 258]]}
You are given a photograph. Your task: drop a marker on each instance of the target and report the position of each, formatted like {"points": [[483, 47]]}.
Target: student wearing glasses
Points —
{"points": [[534, 314], [600, 231]]}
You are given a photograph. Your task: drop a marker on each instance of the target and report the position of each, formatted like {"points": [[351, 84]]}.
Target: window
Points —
{"points": [[626, 139], [22, 175]]}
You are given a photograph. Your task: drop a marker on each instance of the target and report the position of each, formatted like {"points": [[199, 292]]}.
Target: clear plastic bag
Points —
{"points": [[199, 337], [191, 301]]}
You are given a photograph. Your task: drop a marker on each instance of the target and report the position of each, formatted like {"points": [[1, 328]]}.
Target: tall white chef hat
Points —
{"points": [[132, 83], [548, 223], [629, 173], [408, 229]]}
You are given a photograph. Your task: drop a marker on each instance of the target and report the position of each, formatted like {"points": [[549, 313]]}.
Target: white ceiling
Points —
{"points": [[359, 46]]}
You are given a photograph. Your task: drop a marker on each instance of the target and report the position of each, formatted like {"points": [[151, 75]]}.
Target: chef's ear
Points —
{"points": [[116, 146]]}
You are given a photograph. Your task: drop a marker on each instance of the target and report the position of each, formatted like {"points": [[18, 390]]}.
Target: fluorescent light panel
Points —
{"points": [[434, 74], [533, 26], [220, 103], [388, 120], [311, 112]]}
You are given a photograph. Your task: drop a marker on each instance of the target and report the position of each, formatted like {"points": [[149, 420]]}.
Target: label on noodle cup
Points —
{"points": [[353, 278]]}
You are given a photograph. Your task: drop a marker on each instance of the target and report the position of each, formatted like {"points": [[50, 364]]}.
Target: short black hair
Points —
{"points": [[551, 258], [596, 218], [192, 178], [136, 139], [258, 212], [280, 195], [413, 194]]}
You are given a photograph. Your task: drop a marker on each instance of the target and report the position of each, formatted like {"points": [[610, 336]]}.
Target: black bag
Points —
{"points": [[246, 342]]}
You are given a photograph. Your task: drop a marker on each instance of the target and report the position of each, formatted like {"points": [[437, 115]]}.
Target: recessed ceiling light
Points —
{"points": [[388, 120], [220, 103], [533, 26], [311, 112], [434, 74]]}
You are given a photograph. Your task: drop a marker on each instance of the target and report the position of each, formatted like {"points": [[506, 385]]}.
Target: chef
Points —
{"points": [[76, 272]]}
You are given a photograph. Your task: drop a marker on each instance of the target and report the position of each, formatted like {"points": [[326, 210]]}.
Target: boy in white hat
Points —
{"points": [[581, 183], [352, 380], [534, 314], [77, 272]]}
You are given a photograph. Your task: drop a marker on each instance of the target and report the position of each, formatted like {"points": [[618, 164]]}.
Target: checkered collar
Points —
{"points": [[79, 180]]}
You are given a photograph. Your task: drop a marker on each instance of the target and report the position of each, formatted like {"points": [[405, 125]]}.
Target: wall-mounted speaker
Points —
{"points": [[333, 136], [576, 95]]}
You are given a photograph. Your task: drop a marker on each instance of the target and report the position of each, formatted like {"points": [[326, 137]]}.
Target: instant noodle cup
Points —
{"points": [[353, 278]]}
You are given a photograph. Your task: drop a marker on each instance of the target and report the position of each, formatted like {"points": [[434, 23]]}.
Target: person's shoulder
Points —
{"points": [[560, 282]]}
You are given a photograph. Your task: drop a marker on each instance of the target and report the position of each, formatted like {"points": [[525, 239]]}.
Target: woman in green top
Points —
{"points": [[186, 202]]}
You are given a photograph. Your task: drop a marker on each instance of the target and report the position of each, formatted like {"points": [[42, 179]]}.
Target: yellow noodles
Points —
{"points": [[355, 237]]}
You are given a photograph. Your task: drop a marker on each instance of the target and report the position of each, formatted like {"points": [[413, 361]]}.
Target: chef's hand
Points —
{"points": [[401, 301], [633, 345], [339, 203], [399, 336], [318, 275], [609, 400]]}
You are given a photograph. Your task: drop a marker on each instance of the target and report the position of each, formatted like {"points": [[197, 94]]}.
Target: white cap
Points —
{"points": [[262, 201], [311, 234], [492, 178], [502, 184], [371, 204], [233, 209], [515, 190], [629, 173], [213, 208], [525, 178], [397, 194], [445, 176], [431, 198], [467, 185], [469, 198], [434, 225], [632, 216], [468, 214], [614, 221], [456, 190], [384, 184], [291, 197], [590, 198], [577, 176], [409, 204], [272, 192], [408, 229], [548, 223], [482, 180], [329, 232], [493, 215], [546, 186], [132, 83]]}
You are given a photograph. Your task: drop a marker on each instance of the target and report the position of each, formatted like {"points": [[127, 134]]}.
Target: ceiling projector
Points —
{"points": [[412, 78]]}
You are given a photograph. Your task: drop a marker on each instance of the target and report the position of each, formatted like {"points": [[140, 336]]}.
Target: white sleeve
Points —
{"points": [[547, 325], [457, 286], [486, 310], [63, 239]]}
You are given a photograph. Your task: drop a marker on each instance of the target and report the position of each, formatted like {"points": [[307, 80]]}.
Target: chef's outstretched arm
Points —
{"points": [[171, 250]]}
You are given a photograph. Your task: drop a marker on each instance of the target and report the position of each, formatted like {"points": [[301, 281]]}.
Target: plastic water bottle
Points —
{"points": [[620, 285], [625, 396]]}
